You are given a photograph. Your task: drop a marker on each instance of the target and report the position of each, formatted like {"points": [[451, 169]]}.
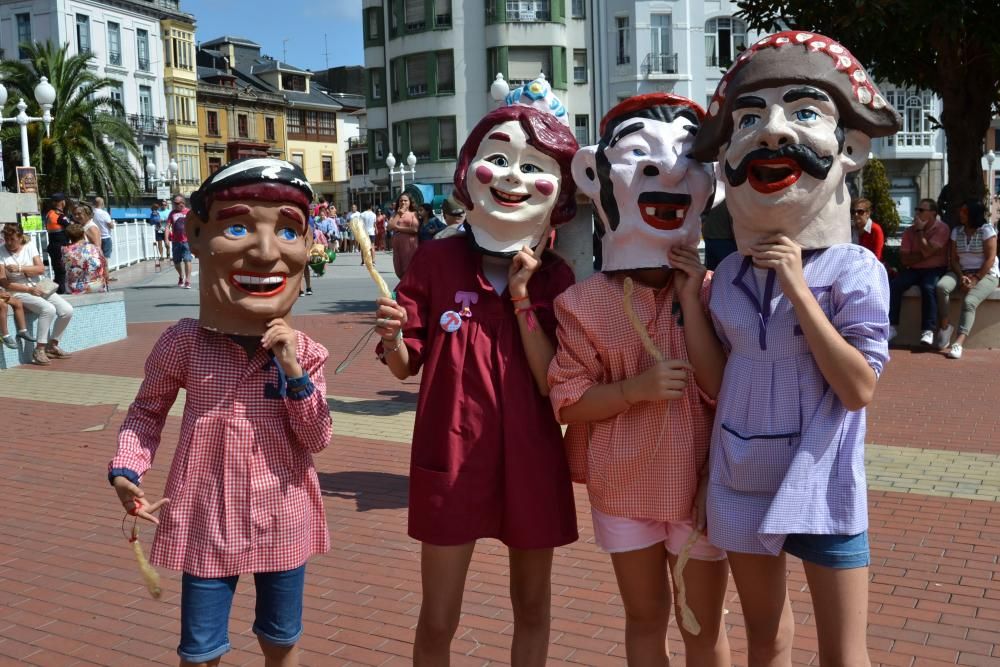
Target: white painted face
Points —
{"points": [[659, 192], [784, 167], [513, 187]]}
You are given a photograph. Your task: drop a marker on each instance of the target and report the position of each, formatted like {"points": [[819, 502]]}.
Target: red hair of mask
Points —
{"points": [[277, 193], [545, 134]]}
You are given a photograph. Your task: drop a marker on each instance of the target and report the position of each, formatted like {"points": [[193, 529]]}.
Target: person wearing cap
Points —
{"points": [[803, 315], [56, 222], [245, 495]]}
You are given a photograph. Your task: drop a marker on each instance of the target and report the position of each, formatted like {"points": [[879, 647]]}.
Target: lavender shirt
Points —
{"points": [[787, 456]]}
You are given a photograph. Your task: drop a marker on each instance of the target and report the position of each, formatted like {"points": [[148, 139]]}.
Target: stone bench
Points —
{"points": [[97, 319], [985, 332]]}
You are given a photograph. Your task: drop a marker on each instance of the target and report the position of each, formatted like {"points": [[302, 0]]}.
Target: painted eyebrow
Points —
{"points": [[750, 102], [233, 211], [500, 136], [805, 92], [293, 214], [624, 132]]}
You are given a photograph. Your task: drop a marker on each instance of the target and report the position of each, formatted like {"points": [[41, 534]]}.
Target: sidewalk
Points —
{"points": [[70, 593]]}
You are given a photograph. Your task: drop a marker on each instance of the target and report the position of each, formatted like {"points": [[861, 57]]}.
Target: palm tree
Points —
{"points": [[90, 142]]}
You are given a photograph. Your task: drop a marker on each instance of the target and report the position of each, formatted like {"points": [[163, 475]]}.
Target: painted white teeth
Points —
{"points": [[258, 280], [650, 210]]}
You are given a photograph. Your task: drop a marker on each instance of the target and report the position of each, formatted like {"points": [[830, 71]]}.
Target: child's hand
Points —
{"points": [[523, 266], [689, 274], [784, 255], [133, 499], [389, 319], [664, 381], [282, 340]]}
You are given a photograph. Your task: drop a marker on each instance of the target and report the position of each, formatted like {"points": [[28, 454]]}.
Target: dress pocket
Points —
{"points": [[756, 463]]}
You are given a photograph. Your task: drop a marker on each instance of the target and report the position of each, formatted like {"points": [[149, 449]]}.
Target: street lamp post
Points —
{"points": [[150, 174], [390, 162], [172, 174], [45, 95]]}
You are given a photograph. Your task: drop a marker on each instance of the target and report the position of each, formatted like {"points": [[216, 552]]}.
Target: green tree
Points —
{"points": [[876, 187], [88, 148], [948, 47]]}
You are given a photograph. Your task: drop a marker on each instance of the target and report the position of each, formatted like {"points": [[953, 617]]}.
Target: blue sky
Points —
{"points": [[302, 22]]}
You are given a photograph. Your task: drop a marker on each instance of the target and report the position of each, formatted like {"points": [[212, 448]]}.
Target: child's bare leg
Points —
{"points": [[279, 656], [767, 613], [840, 602], [642, 582], [210, 663], [531, 598], [705, 587], [3, 318], [19, 319], [442, 577]]}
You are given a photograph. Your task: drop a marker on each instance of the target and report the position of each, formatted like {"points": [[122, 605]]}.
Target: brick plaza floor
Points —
{"points": [[70, 593]]}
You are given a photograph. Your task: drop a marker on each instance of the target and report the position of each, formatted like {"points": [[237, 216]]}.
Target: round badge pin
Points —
{"points": [[451, 321]]}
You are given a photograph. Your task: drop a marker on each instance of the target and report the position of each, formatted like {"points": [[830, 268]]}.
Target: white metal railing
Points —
{"points": [[131, 242]]}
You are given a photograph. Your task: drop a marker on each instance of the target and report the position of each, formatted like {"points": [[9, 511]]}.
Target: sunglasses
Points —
{"points": [[921, 210], [859, 211]]}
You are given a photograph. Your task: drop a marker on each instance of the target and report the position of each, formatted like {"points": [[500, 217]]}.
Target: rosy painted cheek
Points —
{"points": [[545, 187], [484, 175]]}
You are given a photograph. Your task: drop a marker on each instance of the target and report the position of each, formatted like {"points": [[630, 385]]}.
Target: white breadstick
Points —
{"points": [[647, 342], [365, 245]]}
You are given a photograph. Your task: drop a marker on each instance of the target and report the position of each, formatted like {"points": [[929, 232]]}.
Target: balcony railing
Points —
{"points": [[115, 59], [659, 63], [528, 15], [147, 124], [416, 90], [143, 64], [442, 20], [912, 140], [357, 142]]}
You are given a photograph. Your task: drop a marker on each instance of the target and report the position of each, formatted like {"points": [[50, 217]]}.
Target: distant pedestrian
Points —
{"points": [[404, 226], [56, 222], [155, 221], [104, 221], [180, 250], [368, 217]]}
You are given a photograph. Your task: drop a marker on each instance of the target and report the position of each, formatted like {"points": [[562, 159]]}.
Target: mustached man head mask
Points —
{"points": [[648, 193], [790, 119], [513, 175], [248, 226]]}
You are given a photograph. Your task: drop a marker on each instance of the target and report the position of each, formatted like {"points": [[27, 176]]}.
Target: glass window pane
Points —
{"points": [[446, 137]]}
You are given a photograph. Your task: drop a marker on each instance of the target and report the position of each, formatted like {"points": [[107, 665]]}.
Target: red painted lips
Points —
{"points": [[772, 175]]}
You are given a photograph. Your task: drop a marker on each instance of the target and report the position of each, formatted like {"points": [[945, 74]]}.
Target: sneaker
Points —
{"points": [[943, 337], [927, 337], [301, 293], [56, 352], [892, 332], [309, 291], [187, 285], [39, 357], [180, 282], [10, 341], [24, 335], [955, 352]]}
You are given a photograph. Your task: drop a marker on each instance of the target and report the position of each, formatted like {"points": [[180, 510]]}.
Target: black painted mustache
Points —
{"points": [[805, 157]]}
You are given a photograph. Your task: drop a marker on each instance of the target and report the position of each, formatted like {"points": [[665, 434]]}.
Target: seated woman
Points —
{"points": [[973, 267], [86, 267]]}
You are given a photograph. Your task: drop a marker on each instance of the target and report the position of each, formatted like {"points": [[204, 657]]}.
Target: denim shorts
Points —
{"points": [[205, 606], [840, 552], [181, 252]]}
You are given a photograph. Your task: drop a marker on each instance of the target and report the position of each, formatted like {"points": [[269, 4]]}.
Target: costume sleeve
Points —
{"points": [[576, 366], [305, 400], [560, 278], [860, 303], [139, 435], [727, 347], [413, 296]]}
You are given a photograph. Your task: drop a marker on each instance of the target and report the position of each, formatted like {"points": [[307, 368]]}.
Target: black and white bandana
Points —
{"points": [[246, 171]]}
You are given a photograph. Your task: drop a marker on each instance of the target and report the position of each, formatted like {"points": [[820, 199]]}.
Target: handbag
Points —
{"points": [[48, 287]]}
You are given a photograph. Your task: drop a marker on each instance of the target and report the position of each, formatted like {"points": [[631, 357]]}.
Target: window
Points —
{"points": [[377, 82], [442, 13], [579, 9], [114, 44], [146, 103], [297, 158], [914, 106], [445, 72], [725, 37], [327, 164], [420, 138], [269, 133], [83, 33], [212, 121], [309, 125], [622, 28], [214, 164], [416, 75], [116, 92], [142, 48], [374, 24], [178, 51], [293, 123], [243, 125], [529, 10], [446, 138], [525, 64], [579, 66], [296, 82], [23, 33], [662, 59], [359, 164], [414, 16], [581, 129]]}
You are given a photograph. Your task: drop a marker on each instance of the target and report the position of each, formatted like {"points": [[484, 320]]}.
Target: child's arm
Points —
{"points": [[402, 323], [703, 348], [537, 347], [849, 373]]}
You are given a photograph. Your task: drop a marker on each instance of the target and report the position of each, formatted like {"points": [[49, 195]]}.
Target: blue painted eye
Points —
{"points": [[806, 115], [748, 120], [287, 234], [638, 152], [531, 169], [499, 160], [237, 231]]}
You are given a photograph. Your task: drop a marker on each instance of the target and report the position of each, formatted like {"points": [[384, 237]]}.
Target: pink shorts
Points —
{"points": [[616, 535]]}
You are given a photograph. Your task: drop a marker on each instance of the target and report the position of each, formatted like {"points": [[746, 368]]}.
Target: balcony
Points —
{"points": [[115, 58], [528, 15], [143, 64], [659, 63], [357, 143], [147, 124]]}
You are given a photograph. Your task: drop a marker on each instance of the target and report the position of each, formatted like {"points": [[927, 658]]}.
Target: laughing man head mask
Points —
{"points": [[648, 193], [513, 178], [247, 226], [790, 119]]}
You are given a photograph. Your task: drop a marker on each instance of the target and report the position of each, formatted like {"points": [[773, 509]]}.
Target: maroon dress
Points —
{"points": [[488, 457]]}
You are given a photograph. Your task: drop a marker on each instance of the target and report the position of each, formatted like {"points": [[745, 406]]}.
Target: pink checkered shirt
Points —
{"points": [[244, 495]]}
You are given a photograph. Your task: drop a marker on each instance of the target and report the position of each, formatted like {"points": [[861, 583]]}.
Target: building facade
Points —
{"points": [[180, 89], [430, 64], [126, 42]]}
